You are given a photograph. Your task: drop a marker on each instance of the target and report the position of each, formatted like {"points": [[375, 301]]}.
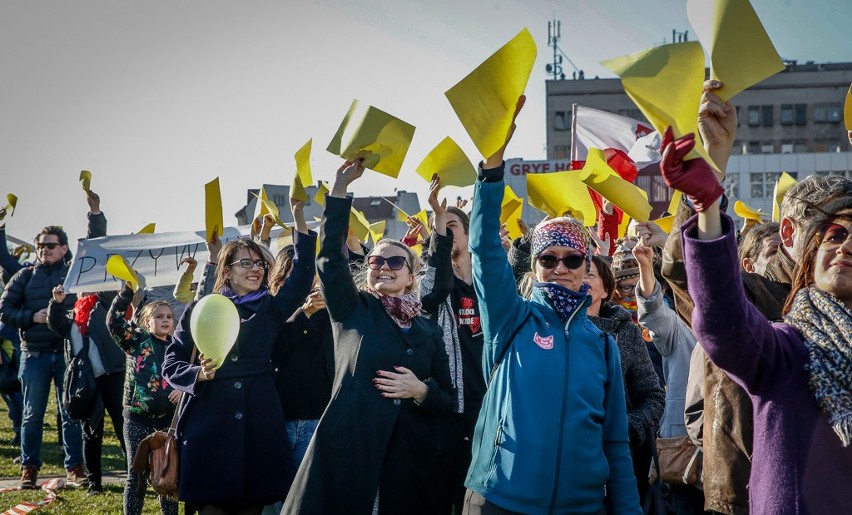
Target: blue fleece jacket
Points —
{"points": [[552, 433]]}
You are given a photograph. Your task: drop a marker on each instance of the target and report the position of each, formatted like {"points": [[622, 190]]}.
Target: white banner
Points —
{"points": [[156, 256]]}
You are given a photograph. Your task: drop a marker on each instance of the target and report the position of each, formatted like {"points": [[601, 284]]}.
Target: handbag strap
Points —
{"points": [[173, 426]]}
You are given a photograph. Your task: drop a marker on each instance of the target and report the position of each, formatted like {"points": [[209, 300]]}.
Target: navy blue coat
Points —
{"points": [[231, 434]]}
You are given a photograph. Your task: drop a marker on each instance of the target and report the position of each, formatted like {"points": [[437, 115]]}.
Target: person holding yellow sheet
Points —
{"points": [[376, 446], [234, 455], [552, 435]]}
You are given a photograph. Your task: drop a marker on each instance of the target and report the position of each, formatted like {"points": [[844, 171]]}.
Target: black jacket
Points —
{"points": [[29, 291]]}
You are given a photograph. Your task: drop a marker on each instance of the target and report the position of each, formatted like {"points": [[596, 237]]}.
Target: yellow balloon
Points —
{"points": [[215, 325]]}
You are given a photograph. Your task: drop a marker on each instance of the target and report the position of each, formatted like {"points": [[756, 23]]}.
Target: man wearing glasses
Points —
{"points": [[24, 306]]}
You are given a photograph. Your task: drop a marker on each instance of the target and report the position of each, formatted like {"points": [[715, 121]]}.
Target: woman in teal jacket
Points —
{"points": [[552, 433]]}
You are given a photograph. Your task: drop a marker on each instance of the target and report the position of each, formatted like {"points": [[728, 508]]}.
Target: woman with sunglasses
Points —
{"points": [[234, 454], [552, 432], [798, 373], [377, 443]]}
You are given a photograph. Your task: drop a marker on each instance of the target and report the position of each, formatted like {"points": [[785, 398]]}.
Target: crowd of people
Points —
{"points": [[545, 374]]}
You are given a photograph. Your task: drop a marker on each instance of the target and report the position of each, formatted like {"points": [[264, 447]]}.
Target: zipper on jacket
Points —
{"points": [[564, 408]]}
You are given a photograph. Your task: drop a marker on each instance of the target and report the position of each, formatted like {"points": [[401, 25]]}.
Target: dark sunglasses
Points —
{"points": [[571, 261], [248, 263], [834, 235], [49, 245], [394, 262]]}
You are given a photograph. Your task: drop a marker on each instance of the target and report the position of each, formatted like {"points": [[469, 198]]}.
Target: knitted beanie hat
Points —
{"points": [[624, 265]]}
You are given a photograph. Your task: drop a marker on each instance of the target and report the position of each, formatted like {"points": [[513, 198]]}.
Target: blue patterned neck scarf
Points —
{"points": [[563, 300]]}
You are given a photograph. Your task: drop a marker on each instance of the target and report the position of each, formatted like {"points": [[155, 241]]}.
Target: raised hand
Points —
{"points": [[213, 248], [695, 177], [59, 294], [191, 264], [644, 254], [717, 119], [346, 175], [297, 207], [650, 234], [495, 160], [439, 209], [94, 202]]}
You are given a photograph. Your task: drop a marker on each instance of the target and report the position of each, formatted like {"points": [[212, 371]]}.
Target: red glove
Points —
{"points": [[695, 178]]}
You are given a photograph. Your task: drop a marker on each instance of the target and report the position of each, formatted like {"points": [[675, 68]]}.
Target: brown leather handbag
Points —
{"points": [[158, 455], [680, 461]]}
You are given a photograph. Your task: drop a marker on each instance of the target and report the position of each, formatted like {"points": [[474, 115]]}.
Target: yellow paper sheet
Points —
{"points": [[322, 191], [847, 109], [741, 53], [665, 223], [378, 137], [86, 180], [11, 204], [268, 207], [743, 210], [675, 201], [118, 266], [624, 225], [511, 209], [666, 83], [784, 183], [451, 164], [359, 224], [557, 192], [421, 215], [599, 176], [303, 176], [377, 230], [148, 229], [486, 99], [213, 219]]}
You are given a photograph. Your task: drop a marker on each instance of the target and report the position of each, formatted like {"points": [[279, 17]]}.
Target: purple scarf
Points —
{"points": [[402, 309]]}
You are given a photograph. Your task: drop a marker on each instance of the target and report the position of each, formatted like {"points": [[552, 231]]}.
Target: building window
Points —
{"points": [[801, 111], [280, 200], [762, 184], [788, 116], [827, 145], [375, 202], [753, 147], [560, 152], [828, 113], [786, 147], [562, 121], [767, 147], [732, 186], [753, 116], [766, 116], [800, 146], [737, 149]]}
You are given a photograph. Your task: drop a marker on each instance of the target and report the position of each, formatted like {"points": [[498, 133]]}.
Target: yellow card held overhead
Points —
{"points": [[599, 176], [847, 109], [86, 180], [743, 210], [303, 173], [557, 192], [377, 230], [11, 204], [213, 219], [322, 191], [118, 266], [741, 53], [269, 207], [666, 83], [359, 225], [381, 139], [665, 223], [486, 99], [785, 182], [451, 164], [511, 209]]}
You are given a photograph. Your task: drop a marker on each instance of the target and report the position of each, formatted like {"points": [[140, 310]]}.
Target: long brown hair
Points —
{"points": [[282, 268], [229, 252]]}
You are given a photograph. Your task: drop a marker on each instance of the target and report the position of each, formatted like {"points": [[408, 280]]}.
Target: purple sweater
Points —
{"points": [[799, 465]]}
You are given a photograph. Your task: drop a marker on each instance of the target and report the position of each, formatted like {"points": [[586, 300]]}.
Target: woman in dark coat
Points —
{"points": [[377, 442], [234, 454]]}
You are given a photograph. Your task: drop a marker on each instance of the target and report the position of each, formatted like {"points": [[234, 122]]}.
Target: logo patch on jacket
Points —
{"points": [[545, 342]]}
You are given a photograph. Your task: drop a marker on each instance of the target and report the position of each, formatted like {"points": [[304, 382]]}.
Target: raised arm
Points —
{"points": [[338, 287], [439, 279], [125, 333], [298, 284], [183, 289], [97, 225]]}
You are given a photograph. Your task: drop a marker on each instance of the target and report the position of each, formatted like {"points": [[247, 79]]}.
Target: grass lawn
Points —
{"points": [[69, 501]]}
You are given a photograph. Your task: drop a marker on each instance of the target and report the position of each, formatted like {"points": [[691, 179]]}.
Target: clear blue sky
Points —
{"points": [[156, 98]]}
